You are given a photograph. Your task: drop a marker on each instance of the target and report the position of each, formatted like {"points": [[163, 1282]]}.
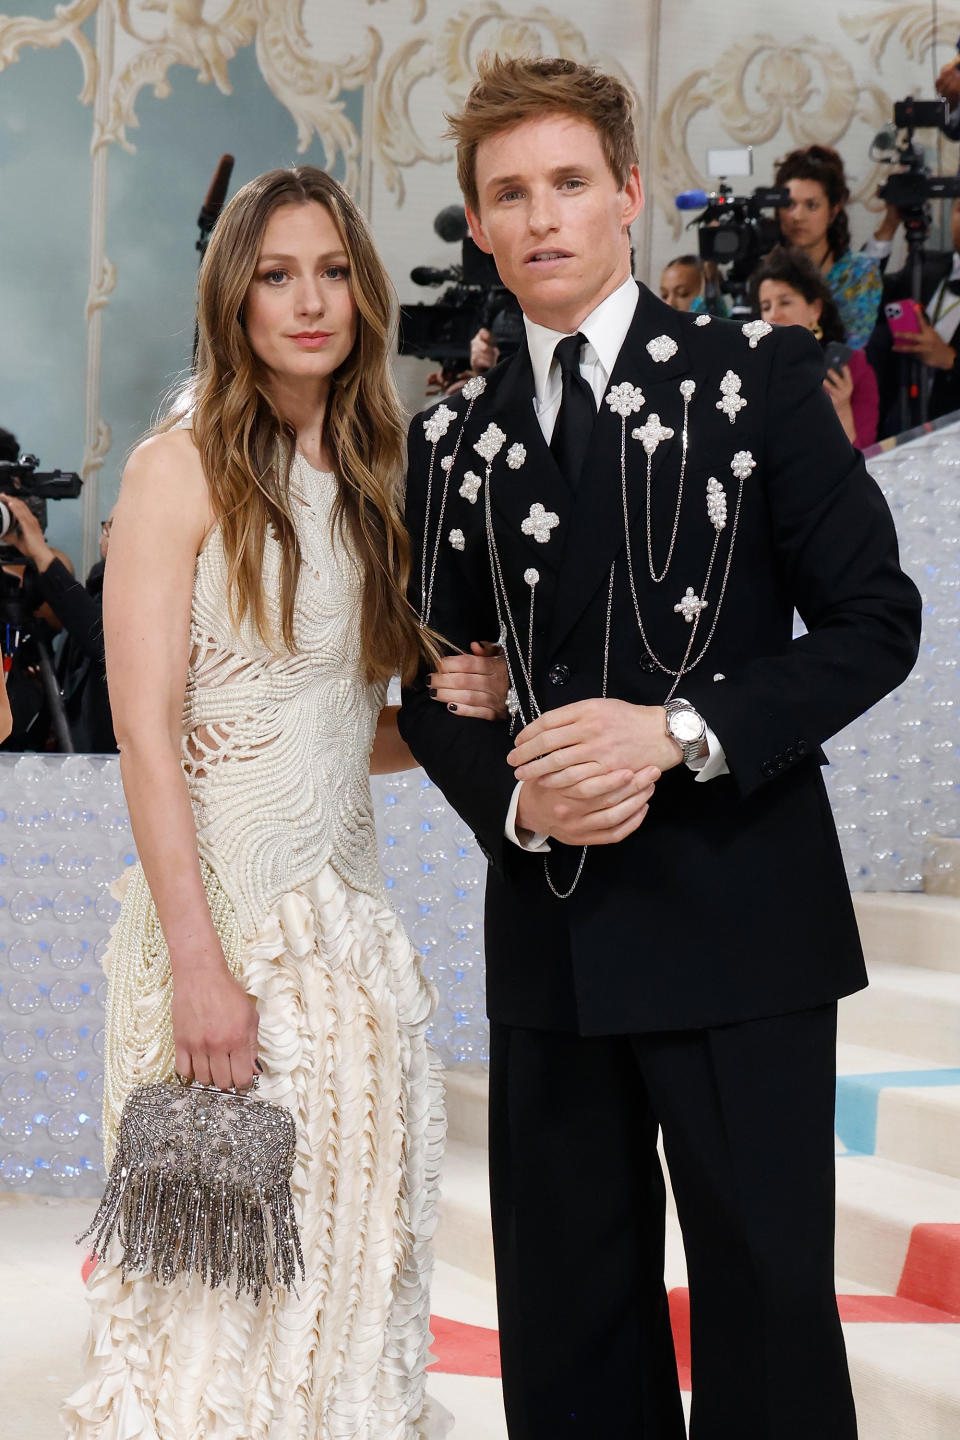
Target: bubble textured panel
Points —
{"points": [[65, 835]]}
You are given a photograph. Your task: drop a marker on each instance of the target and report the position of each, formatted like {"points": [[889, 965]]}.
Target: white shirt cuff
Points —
{"points": [[537, 843], [713, 763], [878, 249]]}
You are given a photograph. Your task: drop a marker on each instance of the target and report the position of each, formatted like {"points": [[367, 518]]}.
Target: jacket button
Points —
{"points": [[802, 747], [647, 663], [558, 674]]}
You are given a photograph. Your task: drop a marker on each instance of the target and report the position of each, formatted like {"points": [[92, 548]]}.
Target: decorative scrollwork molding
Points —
{"points": [[17, 31], [912, 25], [759, 88]]}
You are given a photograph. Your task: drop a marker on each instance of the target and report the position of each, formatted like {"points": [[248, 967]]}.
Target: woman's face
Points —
{"points": [[299, 311], [680, 286], [805, 221], [780, 304]]}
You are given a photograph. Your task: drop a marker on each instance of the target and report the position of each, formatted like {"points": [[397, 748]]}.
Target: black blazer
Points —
{"points": [[730, 901], [945, 391]]}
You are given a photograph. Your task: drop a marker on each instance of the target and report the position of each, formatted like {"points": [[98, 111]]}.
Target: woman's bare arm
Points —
{"points": [[161, 519], [473, 685]]}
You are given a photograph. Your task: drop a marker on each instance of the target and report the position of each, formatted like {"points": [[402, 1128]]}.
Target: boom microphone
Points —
{"points": [[216, 195], [692, 200], [429, 275], [451, 224]]}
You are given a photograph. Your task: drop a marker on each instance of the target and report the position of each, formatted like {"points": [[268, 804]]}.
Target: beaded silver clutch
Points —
{"points": [[200, 1182]]}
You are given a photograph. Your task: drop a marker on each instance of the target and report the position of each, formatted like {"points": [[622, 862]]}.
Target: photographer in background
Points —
{"points": [[81, 668], [936, 345], [815, 221]]}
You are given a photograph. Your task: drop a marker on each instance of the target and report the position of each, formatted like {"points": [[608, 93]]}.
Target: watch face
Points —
{"points": [[685, 726]]}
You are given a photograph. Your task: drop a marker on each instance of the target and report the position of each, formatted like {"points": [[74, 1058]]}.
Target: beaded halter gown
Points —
{"points": [[276, 752]]}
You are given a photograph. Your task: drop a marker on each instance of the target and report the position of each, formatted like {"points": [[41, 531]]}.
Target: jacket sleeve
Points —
{"points": [[836, 558], [79, 612], [466, 758]]}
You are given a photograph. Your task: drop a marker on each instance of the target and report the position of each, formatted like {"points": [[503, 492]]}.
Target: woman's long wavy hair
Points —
{"points": [[246, 447]]}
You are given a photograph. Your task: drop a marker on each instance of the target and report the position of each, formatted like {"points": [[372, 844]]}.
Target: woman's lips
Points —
{"points": [[308, 340]]}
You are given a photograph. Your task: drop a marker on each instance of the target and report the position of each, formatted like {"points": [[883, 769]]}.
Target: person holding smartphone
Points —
{"points": [[788, 289]]}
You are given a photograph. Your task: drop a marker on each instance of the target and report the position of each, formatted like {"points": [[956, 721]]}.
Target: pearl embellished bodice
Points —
{"points": [[276, 745]]}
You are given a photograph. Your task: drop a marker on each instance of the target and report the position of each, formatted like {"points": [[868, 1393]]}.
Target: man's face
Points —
{"points": [[955, 226], [552, 215]]}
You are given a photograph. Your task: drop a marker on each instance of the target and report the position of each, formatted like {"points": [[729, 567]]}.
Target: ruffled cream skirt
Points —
{"points": [[343, 1010]]}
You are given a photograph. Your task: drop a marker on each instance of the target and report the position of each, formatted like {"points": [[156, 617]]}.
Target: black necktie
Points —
{"points": [[578, 411]]}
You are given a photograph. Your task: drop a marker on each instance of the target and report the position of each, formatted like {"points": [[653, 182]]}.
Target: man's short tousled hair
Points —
{"points": [[510, 91]]}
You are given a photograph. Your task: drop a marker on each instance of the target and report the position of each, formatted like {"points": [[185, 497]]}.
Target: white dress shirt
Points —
{"points": [[604, 330]]}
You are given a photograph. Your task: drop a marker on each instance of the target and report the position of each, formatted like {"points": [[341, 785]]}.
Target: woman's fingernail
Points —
{"points": [[451, 706], [432, 691]]}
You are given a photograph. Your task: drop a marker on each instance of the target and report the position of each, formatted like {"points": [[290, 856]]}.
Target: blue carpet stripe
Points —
{"points": [[859, 1095]]}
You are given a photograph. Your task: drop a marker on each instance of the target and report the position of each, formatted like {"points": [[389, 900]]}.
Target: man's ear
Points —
{"points": [[632, 193], [477, 232]]}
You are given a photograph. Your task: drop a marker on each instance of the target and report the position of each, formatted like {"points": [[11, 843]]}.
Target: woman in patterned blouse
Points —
{"points": [[815, 221]]}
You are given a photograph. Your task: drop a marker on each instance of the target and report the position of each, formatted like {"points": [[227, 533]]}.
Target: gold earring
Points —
{"points": [[816, 330]]}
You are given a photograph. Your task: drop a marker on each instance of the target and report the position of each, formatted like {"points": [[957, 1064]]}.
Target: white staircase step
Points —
{"points": [[466, 1090], [910, 929], [907, 1387], [908, 1009], [921, 1127], [463, 1235], [879, 1204], [941, 866]]}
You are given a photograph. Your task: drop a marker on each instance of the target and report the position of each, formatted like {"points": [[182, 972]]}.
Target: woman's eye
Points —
{"points": [[273, 277], [337, 272]]}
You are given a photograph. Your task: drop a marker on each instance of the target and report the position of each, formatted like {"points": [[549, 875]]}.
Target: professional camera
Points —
{"points": [[34, 487], [910, 190], [732, 230], [475, 299]]}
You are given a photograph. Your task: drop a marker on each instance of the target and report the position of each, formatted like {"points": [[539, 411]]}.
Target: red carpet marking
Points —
{"points": [[890, 1310], [89, 1265], [679, 1302], [464, 1349], [931, 1271]]}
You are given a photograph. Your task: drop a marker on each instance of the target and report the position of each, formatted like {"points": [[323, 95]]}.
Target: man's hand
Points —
{"points": [[593, 738], [28, 538], [948, 83], [889, 225], [600, 811], [927, 347]]}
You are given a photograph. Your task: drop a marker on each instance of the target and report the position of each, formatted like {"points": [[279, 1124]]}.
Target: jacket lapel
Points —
{"points": [[596, 533]]}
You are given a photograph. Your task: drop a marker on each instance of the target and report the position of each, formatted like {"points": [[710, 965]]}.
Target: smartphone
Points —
{"points": [[903, 317], [837, 355]]}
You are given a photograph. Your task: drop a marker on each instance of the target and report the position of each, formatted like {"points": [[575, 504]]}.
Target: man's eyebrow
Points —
{"points": [[559, 172]]}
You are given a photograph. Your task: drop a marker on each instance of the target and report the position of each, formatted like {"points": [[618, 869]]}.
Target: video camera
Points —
{"points": [[910, 190], [34, 487], [475, 299], [733, 230]]}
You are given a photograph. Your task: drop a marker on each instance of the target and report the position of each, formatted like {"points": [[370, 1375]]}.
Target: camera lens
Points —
{"points": [[7, 522]]}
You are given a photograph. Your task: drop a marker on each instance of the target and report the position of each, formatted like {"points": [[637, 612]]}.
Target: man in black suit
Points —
{"points": [[937, 346], [636, 502]]}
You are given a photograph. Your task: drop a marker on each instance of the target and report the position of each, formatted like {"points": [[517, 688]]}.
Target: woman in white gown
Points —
{"points": [[254, 610]]}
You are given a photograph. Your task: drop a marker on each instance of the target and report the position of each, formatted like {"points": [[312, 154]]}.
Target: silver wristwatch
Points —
{"points": [[686, 726]]}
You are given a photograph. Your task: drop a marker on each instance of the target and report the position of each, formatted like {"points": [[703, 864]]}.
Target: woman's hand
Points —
{"points": [[839, 386], [927, 346], [474, 685], [28, 537], [214, 1025]]}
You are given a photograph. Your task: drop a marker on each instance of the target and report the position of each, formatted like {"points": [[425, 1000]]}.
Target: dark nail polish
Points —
{"points": [[451, 706], [432, 691]]}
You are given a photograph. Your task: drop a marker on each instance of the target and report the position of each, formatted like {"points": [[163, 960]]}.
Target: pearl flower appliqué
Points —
{"points": [[732, 401], [625, 399], [474, 387], [539, 523], [688, 388], [437, 423], [663, 348], [516, 456], [755, 330], [457, 540], [512, 702], [703, 320], [532, 577], [716, 503], [743, 464], [470, 486], [490, 442], [651, 433], [690, 606], [447, 463]]}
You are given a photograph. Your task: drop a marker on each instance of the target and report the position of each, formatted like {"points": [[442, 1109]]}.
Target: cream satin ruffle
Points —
{"points": [[343, 1010]]}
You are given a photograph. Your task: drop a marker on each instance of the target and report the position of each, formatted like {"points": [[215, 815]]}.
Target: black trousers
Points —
{"points": [[577, 1195]]}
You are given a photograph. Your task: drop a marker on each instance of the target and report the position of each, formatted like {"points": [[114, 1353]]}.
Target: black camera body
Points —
{"points": [[475, 299], [910, 190], [34, 487], [733, 231]]}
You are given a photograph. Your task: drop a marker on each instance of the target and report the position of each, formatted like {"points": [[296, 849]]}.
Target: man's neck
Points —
{"points": [[567, 321]]}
